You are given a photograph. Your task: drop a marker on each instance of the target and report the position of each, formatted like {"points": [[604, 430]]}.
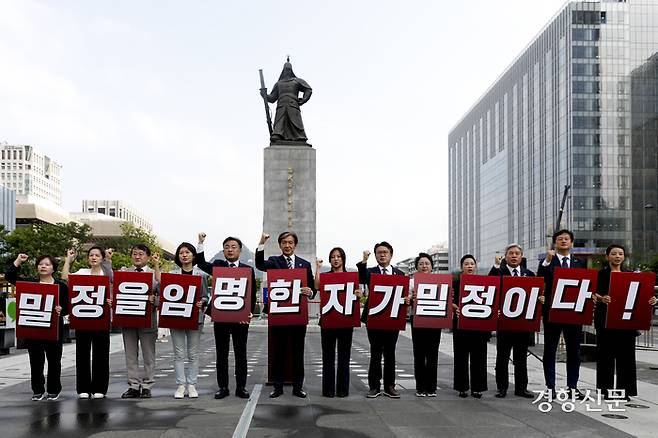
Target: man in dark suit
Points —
{"points": [[507, 340], [281, 335], [224, 330], [560, 257], [382, 342]]}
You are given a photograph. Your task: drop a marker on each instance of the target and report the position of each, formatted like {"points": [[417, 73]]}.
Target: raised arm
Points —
{"points": [[12, 270], [70, 257]]}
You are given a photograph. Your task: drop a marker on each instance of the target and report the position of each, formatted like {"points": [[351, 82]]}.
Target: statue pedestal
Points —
{"points": [[289, 197]]}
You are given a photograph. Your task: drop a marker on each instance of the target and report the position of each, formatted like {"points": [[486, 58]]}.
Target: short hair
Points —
{"points": [[466, 257], [609, 249], [286, 234], [341, 253], [423, 255], [561, 232], [99, 248], [190, 247], [141, 247], [45, 256], [229, 238], [513, 245], [385, 244]]}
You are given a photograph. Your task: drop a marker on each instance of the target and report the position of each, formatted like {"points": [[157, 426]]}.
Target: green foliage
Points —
{"points": [[652, 265], [131, 236]]}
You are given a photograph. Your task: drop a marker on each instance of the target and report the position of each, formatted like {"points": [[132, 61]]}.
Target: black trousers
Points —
{"points": [[282, 337], [92, 361], [426, 357], [223, 333], [336, 380], [38, 351], [506, 341], [382, 344], [616, 349], [573, 334], [473, 344]]}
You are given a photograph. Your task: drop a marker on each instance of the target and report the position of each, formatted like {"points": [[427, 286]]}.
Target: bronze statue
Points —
{"points": [[287, 125]]}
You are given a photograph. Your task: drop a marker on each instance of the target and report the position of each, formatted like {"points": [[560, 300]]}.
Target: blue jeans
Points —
{"points": [[186, 341]]}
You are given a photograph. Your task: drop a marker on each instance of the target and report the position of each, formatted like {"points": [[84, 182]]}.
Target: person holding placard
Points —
{"points": [[40, 350], [615, 348], [186, 342], [92, 346]]}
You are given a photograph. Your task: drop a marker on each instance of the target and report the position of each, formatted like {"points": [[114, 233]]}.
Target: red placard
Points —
{"points": [[231, 296], [130, 304], [88, 295], [36, 317], [478, 302], [339, 306], [432, 300], [179, 294], [520, 309], [287, 306], [386, 308], [571, 300], [629, 306]]}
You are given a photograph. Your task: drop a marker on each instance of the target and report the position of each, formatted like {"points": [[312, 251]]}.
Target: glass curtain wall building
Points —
{"points": [[578, 107]]}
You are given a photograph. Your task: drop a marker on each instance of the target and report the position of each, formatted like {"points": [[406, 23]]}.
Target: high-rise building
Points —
{"points": [[578, 107], [7, 208], [30, 174], [118, 209]]}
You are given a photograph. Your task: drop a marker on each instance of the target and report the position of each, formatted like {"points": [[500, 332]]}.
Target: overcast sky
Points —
{"points": [[156, 103]]}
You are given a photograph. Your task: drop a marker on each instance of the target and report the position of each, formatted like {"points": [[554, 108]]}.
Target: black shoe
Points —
{"points": [[131, 393], [221, 393], [341, 394], [502, 393], [391, 392], [276, 393], [462, 394], [241, 393], [146, 393], [299, 393], [373, 393], [575, 394], [476, 394], [525, 394], [551, 393], [328, 394]]}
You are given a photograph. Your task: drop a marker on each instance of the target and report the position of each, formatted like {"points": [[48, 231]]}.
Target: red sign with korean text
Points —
{"points": [[339, 306], [130, 305], [36, 317], [231, 294], [571, 300], [520, 308], [478, 302], [432, 300], [386, 308], [287, 305], [88, 295], [629, 306], [179, 294]]}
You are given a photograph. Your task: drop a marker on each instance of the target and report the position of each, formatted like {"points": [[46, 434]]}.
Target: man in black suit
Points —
{"points": [[224, 330], [560, 257], [507, 340], [281, 335], [382, 342]]}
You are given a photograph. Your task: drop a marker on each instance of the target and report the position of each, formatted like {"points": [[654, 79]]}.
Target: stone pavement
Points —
{"points": [[354, 416]]}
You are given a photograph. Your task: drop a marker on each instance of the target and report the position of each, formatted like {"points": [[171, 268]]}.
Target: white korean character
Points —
{"points": [[93, 299], [432, 301], [614, 400], [588, 400], [131, 298], [519, 297], [583, 294], [334, 298], [546, 405], [36, 311], [482, 298], [391, 295], [230, 293], [178, 301], [562, 395], [281, 291]]}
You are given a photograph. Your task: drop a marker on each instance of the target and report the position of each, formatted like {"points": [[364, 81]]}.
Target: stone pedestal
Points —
{"points": [[289, 197]]}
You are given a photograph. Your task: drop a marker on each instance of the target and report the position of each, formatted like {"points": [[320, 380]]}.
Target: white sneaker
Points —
{"points": [[97, 395], [180, 392], [191, 391], [83, 395], [52, 397]]}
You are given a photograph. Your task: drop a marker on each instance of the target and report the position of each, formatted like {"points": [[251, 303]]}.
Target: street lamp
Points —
{"points": [[644, 230]]}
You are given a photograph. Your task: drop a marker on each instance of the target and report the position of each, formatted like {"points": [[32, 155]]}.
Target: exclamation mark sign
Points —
{"points": [[630, 300]]}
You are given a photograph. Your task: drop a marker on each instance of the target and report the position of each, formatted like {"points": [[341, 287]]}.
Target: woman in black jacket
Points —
{"points": [[39, 349]]}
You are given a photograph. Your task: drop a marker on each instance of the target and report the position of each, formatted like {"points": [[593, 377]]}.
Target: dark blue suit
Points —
{"points": [[572, 332], [282, 335]]}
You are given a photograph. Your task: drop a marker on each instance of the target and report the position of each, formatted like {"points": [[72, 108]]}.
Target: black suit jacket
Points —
{"points": [[504, 271], [206, 267], [547, 273], [364, 278], [279, 262]]}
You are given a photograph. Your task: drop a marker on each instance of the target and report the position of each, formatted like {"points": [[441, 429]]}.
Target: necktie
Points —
{"points": [[289, 260], [515, 273], [139, 270], [384, 271], [565, 262], [231, 265]]}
